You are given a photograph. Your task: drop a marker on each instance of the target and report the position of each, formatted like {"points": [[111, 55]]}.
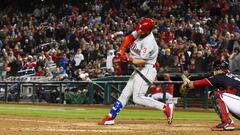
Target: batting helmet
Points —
{"points": [[144, 26]]}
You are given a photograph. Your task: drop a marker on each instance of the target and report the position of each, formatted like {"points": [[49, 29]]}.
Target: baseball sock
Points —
{"points": [[115, 109]]}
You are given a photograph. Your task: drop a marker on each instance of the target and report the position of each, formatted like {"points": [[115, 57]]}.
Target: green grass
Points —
{"points": [[79, 112]]}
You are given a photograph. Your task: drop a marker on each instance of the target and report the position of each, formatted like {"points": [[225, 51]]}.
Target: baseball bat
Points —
{"points": [[143, 76], [170, 100]]}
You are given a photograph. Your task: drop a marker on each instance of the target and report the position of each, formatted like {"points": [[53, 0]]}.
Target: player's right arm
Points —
{"points": [[126, 43]]}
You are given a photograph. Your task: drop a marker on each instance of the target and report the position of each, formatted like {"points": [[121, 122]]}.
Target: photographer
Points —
{"points": [[234, 60]]}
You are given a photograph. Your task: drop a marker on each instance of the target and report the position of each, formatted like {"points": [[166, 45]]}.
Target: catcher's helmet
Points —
{"points": [[220, 64], [144, 26]]}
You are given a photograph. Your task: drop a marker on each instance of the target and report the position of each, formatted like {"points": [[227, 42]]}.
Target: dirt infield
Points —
{"points": [[15, 125]]}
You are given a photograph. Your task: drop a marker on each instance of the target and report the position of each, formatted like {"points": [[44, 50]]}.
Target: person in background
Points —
{"points": [[78, 58], [110, 56], [156, 91], [40, 71], [212, 43], [61, 74], [117, 65]]}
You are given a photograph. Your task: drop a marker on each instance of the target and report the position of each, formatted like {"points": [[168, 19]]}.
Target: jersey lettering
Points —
{"points": [[135, 49], [235, 77]]}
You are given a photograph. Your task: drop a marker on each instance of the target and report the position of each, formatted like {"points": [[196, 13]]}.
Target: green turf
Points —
{"points": [[79, 112]]}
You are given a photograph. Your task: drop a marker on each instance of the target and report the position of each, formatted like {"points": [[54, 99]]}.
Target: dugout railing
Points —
{"points": [[108, 90]]}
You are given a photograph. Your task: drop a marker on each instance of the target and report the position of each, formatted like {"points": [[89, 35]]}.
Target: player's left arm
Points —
{"points": [[199, 83], [138, 61], [188, 85]]}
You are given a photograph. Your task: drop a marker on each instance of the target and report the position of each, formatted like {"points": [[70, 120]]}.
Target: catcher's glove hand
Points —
{"points": [[184, 88]]}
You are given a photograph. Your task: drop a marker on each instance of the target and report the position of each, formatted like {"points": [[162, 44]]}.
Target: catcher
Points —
{"points": [[225, 99]]}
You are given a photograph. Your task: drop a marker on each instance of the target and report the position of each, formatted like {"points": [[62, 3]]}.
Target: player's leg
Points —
{"points": [[119, 104], [159, 96], [222, 111], [231, 102], [140, 88]]}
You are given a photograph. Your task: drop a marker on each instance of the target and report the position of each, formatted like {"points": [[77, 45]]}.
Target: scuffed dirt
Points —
{"points": [[16, 125]]}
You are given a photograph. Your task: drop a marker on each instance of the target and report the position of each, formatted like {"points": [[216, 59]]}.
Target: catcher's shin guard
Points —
{"points": [[220, 106]]}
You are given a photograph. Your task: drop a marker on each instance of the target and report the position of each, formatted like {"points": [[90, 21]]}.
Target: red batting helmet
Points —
{"points": [[144, 26]]}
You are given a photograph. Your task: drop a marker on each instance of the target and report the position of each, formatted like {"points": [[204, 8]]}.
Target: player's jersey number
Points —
{"points": [[144, 50]]}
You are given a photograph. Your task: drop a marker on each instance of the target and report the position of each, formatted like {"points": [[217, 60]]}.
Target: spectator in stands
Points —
{"points": [[168, 36], [78, 58], [11, 56], [1, 44], [156, 91], [71, 68], [49, 62], [40, 71], [6, 68], [84, 77], [208, 60], [48, 74], [93, 29], [30, 63], [63, 61], [15, 66], [199, 62], [166, 59], [197, 33], [117, 65], [110, 56], [212, 43], [234, 60], [61, 75]]}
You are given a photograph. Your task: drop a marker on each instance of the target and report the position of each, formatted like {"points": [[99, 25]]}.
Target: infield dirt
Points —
{"points": [[16, 125]]}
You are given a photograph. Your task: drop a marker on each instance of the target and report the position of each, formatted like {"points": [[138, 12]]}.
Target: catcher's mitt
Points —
{"points": [[184, 88]]}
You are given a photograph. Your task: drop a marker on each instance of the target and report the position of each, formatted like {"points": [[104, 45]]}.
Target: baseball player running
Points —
{"points": [[226, 98], [143, 54]]}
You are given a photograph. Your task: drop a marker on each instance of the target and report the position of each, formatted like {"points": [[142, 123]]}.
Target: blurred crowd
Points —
{"points": [[78, 40]]}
